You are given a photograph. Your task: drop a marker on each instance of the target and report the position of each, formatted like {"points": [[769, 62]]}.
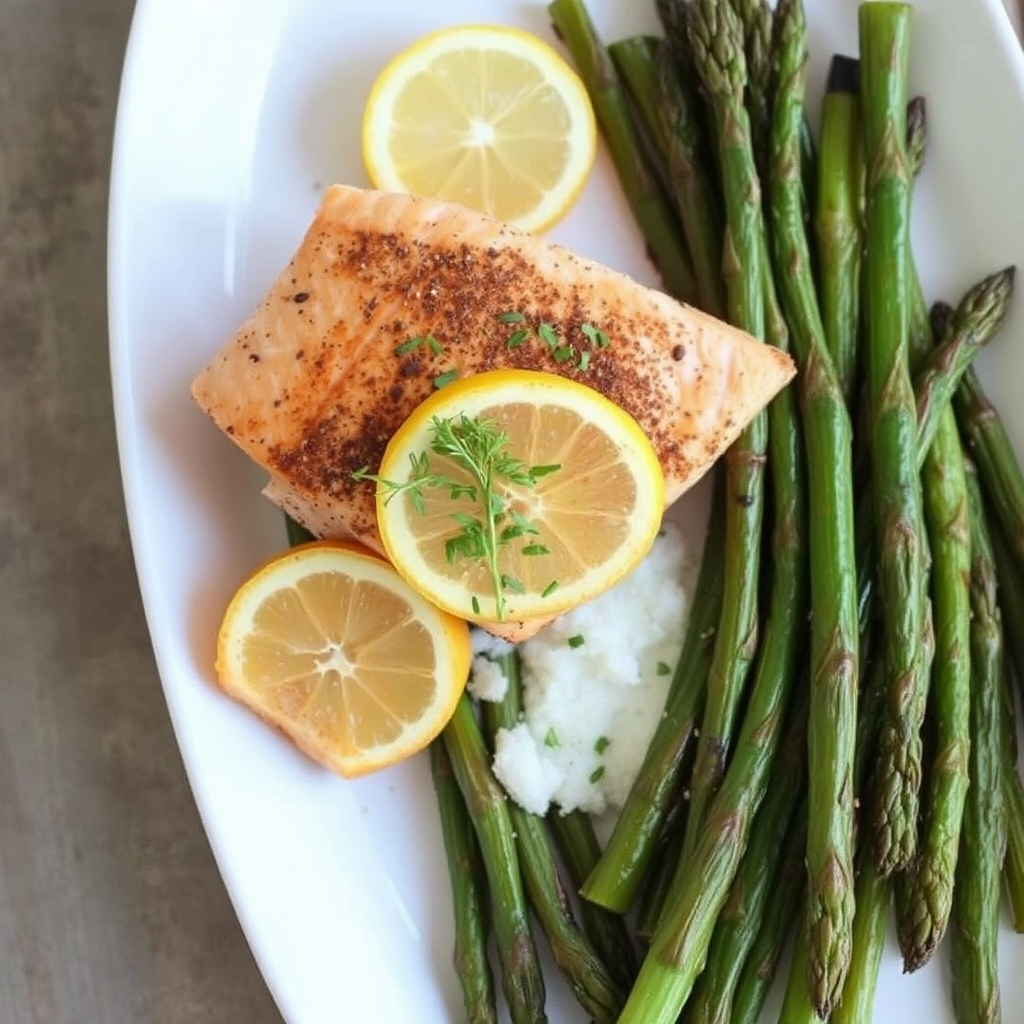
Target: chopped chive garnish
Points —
{"points": [[549, 589], [476, 605], [517, 338], [576, 641], [511, 583], [536, 549], [444, 379], [602, 744], [595, 335], [434, 345], [584, 363], [410, 345], [597, 774], [664, 669], [551, 738], [563, 353], [548, 334], [511, 317]]}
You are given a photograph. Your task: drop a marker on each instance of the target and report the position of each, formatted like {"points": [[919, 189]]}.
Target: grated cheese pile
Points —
{"points": [[594, 684]]}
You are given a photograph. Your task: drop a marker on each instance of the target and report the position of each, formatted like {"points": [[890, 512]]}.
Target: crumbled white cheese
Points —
{"points": [[594, 683], [487, 681]]}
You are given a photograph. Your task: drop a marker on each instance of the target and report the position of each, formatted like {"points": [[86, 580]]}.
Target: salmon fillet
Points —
{"points": [[313, 385]]}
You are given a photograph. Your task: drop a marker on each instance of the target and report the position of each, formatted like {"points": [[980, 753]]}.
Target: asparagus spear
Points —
{"points": [[659, 878], [578, 846], [884, 43], [975, 919], [1013, 802], [679, 947], [838, 219], [976, 320], [990, 446], [522, 981], [652, 213], [695, 196], [578, 963], [469, 892], [716, 41], [740, 921], [615, 879], [834, 625], [874, 897], [797, 1004], [758, 972], [756, 18], [1011, 601], [924, 892], [635, 59]]}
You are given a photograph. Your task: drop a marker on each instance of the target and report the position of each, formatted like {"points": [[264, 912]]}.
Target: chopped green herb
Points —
{"points": [[511, 583], [550, 467], [444, 379], [549, 589], [602, 744], [511, 317], [597, 774], [563, 353], [576, 641], [548, 334], [664, 669], [517, 338], [584, 363], [475, 603], [551, 738], [595, 335], [410, 345], [536, 549], [434, 345]]}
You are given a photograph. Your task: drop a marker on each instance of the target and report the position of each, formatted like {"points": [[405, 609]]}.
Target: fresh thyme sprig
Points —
{"points": [[480, 447]]}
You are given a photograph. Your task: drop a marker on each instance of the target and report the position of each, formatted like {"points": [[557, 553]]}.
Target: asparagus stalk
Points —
{"points": [[975, 918], [469, 892], [578, 846], [716, 41], [659, 878], [635, 60], [874, 897], [756, 18], [1013, 801], [1011, 602], [838, 219], [884, 43], [679, 947], [834, 625], [976, 320], [696, 198], [797, 1004], [616, 878], [786, 892], [741, 918], [522, 981], [924, 893], [653, 214], [990, 446], [577, 961]]}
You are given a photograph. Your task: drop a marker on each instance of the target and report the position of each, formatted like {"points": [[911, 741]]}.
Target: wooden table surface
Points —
{"points": [[111, 908]]}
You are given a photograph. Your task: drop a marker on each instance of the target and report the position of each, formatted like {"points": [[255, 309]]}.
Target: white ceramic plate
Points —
{"points": [[234, 114]]}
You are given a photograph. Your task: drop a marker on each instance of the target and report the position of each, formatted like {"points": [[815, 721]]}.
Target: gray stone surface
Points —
{"points": [[111, 908]]}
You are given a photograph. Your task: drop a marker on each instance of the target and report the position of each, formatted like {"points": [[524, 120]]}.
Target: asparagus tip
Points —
{"points": [[844, 74]]}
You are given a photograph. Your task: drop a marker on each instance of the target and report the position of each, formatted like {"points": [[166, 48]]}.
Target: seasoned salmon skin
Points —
{"points": [[390, 295]]}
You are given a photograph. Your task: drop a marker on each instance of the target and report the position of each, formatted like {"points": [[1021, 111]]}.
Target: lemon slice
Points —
{"points": [[485, 116], [575, 491], [327, 643]]}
